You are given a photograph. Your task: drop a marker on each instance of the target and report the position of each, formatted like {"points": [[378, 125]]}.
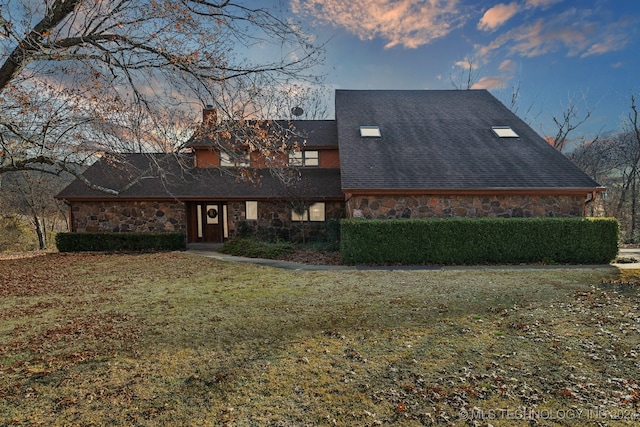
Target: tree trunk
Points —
{"points": [[36, 224], [634, 225]]}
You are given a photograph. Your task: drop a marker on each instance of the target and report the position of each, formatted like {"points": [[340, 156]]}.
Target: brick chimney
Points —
{"points": [[209, 116]]}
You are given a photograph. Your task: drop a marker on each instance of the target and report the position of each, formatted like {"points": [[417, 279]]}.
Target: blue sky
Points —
{"points": [[556, 52]]}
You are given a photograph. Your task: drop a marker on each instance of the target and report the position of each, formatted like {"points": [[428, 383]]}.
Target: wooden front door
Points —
{"points": [[206, 222], [213, 222]]}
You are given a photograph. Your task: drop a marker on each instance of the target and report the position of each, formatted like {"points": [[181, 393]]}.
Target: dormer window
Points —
{"points": [[504, 132], [370, 132], [304, 158], [238, 160]]}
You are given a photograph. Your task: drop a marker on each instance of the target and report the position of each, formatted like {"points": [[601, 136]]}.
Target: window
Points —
{"points": [[504, 132], [315, 212], [370, 132], [251, 210], [296, 216], [304, 158], [239, 160]]}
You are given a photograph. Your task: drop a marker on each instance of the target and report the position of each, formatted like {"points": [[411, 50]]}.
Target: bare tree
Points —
{"points": [[601, 159], [80, 77], [28, 194], [614, 161], [571, 119], [467, 76], [630, 169]]}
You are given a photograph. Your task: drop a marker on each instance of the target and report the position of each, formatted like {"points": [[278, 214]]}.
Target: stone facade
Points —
{"points": [[274, 221], [443, 206], [133, 216], [274, 217]]}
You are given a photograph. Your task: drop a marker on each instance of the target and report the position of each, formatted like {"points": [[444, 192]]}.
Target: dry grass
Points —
{"points": [[175, 339]]}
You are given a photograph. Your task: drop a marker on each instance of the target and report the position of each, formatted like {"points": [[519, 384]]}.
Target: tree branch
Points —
{"points": [[22, 54]]}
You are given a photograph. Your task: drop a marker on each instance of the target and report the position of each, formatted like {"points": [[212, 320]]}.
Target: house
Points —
{"points": [[387, 154]]}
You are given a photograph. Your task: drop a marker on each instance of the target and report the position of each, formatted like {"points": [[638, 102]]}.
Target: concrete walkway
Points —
{"points": [[211, 251], [629, 254]]}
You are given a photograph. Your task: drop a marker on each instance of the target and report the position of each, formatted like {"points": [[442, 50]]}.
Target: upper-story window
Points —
{"points": [[304, 158], [238, 160]]}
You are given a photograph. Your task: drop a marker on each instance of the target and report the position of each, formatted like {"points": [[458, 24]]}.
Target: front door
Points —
{"points": [[207, 222], [212, 223]]}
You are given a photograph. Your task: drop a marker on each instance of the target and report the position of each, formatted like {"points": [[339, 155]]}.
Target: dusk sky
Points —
{"points": [[556, 51]]}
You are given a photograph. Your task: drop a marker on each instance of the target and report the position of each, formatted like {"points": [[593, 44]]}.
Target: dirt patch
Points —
{"points": [[311, 257]]}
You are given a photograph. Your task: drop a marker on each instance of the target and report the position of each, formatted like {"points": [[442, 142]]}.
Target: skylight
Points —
{"points": [[504, 132], [370, 132]]}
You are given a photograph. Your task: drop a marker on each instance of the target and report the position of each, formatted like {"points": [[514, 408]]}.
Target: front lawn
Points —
{"points": [[178, 339]]}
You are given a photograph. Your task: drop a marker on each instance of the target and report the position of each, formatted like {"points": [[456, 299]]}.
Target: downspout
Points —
{"points": [[591, 197]]}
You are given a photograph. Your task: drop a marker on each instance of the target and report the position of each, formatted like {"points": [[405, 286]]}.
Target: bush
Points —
{"points": [[16, 235], [254, 248], [480, 241], [114, 242]]}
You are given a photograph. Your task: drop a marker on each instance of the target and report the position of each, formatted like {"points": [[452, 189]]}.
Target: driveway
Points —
{"points": [[633, 253]]}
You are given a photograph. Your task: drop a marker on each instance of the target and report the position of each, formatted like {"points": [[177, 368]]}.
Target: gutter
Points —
{"points": [[512, 191]]}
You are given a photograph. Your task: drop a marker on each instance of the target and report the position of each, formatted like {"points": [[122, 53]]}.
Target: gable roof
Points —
{"points": [[443, 140], [167, 177]]}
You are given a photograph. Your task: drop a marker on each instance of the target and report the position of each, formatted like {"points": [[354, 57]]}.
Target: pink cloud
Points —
{"points": [[491, 82], [576, 32], [612, 42], [540, 3], [466, 63], [507, 65], [407, 23], [497, 15], [539, 39]]}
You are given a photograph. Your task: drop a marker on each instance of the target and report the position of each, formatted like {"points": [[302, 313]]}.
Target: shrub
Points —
{"points": [[114, 242], [16, 235], [254, 248], [480, 241]]}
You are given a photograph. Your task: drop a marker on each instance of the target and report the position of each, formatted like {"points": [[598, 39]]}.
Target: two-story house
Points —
{"points": [[387, 154]]}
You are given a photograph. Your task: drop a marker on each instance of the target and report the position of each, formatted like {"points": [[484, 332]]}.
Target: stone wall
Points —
{"points": [[274, 221], [465, 206], [134, 216], [274, 218]]}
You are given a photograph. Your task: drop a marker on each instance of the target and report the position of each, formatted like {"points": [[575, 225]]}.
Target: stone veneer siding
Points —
{"points": [[274, 221], [442, 206], [125, 216]]}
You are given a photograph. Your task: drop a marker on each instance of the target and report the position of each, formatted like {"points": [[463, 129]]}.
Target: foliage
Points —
{"points": [[110, 242], [15, 235], [479, 241], [332, 229], [79, 77], [178, 339], [254, 248], [30, 195]]}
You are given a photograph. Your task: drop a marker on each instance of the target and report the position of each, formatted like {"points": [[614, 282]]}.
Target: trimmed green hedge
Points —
{"points": [[113, 242], [479, 241]]}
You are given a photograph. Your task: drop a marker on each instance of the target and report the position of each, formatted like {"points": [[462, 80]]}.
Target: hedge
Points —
{"points": [[113, 242], [479, 241]]}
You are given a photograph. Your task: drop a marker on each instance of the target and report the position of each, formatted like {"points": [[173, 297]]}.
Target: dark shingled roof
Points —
{"points": [[435, 139], [315, 133], [173, 181]]}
